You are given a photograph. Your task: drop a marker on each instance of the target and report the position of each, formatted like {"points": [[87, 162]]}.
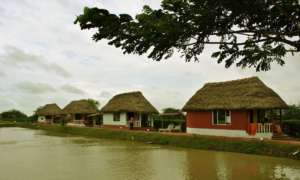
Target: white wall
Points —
{"points": [[108, 119], [226, 133], [217, 132], [41, 119]]}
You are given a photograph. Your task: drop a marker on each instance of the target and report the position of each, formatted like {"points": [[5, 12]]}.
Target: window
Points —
{"points": [[116, 116], [221, 117], [78, 116]]}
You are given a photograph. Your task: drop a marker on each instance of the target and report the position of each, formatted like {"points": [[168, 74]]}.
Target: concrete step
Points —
{"points": [[281, 137]]}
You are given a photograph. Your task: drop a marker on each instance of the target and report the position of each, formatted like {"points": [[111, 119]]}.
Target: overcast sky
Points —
{"points": [[45, 58]]}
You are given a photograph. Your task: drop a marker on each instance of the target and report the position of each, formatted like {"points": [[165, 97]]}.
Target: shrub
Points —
{"points": [[293, 112], [291, 127], [14, 115]]}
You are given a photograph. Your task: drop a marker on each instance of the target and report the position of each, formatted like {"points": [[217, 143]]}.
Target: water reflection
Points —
{"points": [[225, 166], [27, 154]]}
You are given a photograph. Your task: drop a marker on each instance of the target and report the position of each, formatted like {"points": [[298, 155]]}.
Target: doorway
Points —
{"points": [[144, 120]]}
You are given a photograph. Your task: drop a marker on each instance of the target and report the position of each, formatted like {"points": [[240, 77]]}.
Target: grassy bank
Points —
{"points": [[250, 146], [7, 124]]}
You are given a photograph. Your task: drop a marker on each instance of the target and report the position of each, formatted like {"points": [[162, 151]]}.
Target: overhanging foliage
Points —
{"points": [[249, 33]]}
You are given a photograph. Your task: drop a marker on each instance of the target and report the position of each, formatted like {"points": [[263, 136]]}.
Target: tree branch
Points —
{"points": [[226, 43], [262, 32]]}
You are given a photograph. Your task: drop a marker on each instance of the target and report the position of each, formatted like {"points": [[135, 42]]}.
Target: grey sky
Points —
{"points": [[17, 58], [34, 88], [45, 58], [71, 89]]}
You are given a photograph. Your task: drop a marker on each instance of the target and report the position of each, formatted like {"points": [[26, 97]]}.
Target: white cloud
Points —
{"points": [[34, 88], [2, 73], [47, 52], [105, 94], [17, 58], [72, 89]]}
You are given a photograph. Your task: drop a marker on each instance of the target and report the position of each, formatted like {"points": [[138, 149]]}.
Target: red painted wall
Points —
{"points": [[203, 119]]}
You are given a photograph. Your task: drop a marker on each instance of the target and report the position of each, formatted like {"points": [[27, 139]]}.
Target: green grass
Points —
{"points": [[7, 124], [251, 146]]}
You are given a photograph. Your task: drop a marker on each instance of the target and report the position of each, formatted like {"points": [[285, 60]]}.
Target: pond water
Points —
{"points": [[31, 155]]}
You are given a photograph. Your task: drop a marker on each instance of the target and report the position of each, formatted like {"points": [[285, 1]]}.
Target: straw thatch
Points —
{"points": [[49, 110], [248, 93], [129, 102], [80, 107]]}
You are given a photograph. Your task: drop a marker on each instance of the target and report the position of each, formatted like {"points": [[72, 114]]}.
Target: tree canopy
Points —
{"points": [[13, 115], [248, 33], [292, 113], [171, 110], [94, 103]]}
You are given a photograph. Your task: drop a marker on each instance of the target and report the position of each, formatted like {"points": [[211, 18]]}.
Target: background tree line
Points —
{"points": [[292, 113]]}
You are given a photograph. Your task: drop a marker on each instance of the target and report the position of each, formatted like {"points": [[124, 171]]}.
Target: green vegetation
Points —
{"points": [[7, 124], [291, 123], [17, 116], [13, 115], [171, 110], [248, 37], [169, 116], [292, 113], [249, 146], [292, 127], [94, 103]]}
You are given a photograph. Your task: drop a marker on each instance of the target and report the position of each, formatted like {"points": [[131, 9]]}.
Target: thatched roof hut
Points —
{"points": [[248, 93], [49, 110], [80, 107], [129, 102]]}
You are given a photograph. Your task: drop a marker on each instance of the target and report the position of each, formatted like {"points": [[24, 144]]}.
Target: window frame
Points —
{"points": [[116, 117], [227, 117]]}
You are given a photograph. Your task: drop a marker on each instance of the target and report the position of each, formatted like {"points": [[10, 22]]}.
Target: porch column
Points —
{"points": [[139, 119], [280, 112], [94, 122]]}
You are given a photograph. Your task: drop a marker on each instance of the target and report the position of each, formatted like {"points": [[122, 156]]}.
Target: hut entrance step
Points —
{"points": [[281, 136]]}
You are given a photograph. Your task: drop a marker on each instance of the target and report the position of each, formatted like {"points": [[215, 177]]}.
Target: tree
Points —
{"points": [[171, 110], [94, 103], [34, 117], [14, 115], [249, 33], [292, 113]]}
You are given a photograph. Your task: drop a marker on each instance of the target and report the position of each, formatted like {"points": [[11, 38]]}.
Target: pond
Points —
{"points": [[32, 155]]}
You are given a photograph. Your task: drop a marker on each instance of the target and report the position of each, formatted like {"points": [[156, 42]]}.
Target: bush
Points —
{"points": [[293, 112], [291, 127], [14, 115], [33, 118]]}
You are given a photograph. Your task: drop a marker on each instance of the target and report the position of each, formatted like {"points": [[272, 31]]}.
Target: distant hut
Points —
{"points": [[78, 112], [234, 108], [128, 106], [50, 113]]}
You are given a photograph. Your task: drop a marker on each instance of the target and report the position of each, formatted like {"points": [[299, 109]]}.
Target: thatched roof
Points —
{"points": [[80, 107], [129, 102], [49, 110], [248, 93]]}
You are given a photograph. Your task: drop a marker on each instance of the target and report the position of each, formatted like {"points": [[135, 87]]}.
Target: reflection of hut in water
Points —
{"points": [[226, 165], [200, 164]]}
